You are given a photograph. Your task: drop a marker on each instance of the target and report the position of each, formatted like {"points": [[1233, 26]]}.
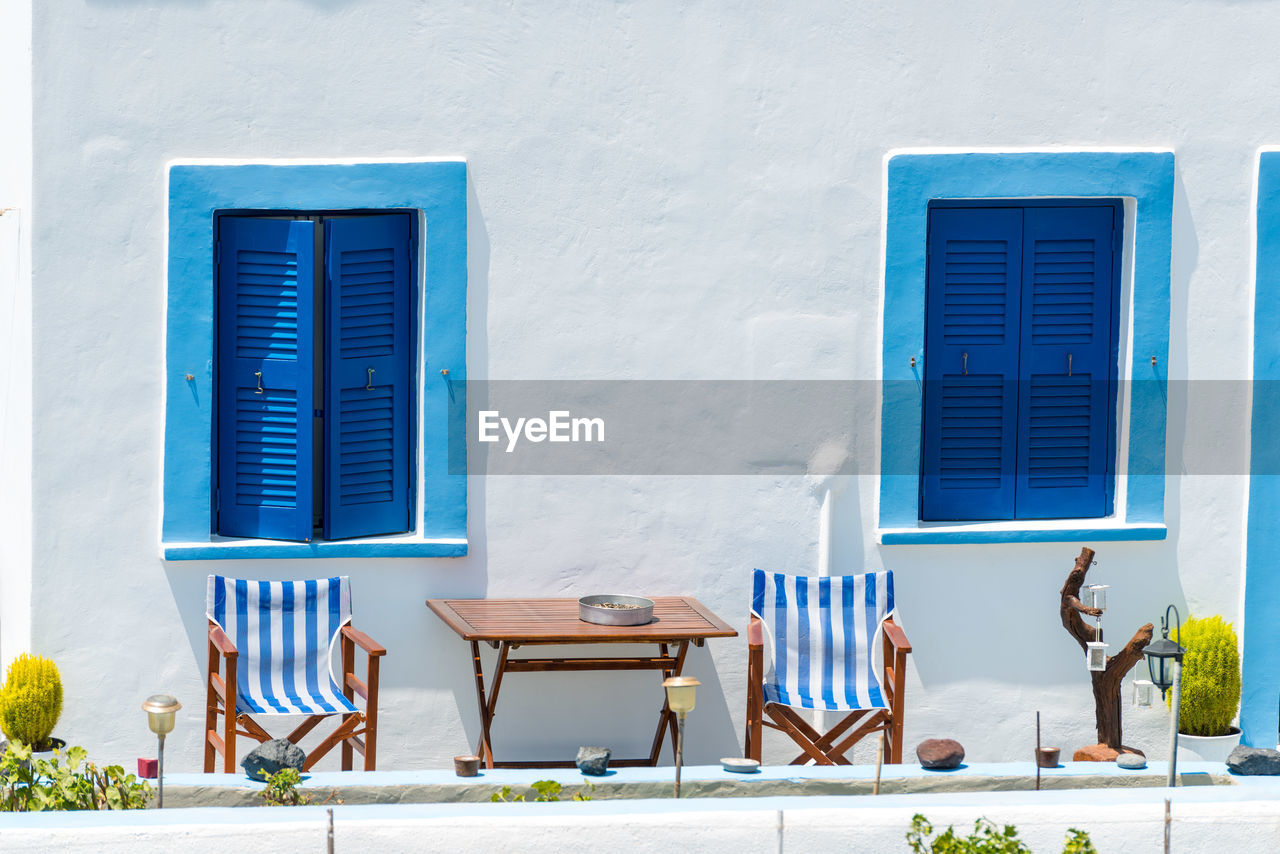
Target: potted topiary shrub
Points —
{"points": [[1210, 689], [31, 702]]}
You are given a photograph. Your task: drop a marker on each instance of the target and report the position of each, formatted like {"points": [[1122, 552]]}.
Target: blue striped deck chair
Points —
{"points": [[272, 641], [822, 634]]}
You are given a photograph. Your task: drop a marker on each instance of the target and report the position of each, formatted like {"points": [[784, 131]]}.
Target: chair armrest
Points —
{"points": [[221, 642], [363, 641], [896, 635], [755, 633]]}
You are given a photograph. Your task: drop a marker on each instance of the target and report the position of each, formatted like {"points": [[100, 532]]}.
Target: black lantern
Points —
{"points": [[1162, 654]]}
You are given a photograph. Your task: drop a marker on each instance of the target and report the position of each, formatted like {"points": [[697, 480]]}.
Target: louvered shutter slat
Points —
{"points": [[1065, 416], [265, 316], [973, 299], [367, 430]]}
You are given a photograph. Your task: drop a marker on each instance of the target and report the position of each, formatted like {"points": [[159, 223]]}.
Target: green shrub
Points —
{"points": [[546, 790], [30, 701], [35, 784], [985, 839], [1210, 676], [282, 788]]}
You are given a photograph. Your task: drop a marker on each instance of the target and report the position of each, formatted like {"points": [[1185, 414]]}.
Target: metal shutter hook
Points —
{"points": [[258, 374], [966, 363], [1068, 364], [369, 385]]}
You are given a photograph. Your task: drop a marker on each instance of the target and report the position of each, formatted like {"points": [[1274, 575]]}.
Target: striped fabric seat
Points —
{"points": [[823, 632], [284, 631]]}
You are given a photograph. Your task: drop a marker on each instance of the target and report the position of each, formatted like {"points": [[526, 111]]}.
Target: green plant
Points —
{"points": [[1210, 676], [31, 700], [985, 839], [31, 783], [546, 790], [282, 788]]}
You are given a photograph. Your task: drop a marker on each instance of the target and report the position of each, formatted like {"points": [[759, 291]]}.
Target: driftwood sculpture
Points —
{"points": [[1106, 683]]}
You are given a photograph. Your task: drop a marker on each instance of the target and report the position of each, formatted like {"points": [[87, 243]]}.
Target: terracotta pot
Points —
{"points": [[466, 766], [1047, 757]]}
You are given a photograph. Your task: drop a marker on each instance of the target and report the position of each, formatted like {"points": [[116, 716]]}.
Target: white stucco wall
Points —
{"points": [[658, 191], [15, 328]]}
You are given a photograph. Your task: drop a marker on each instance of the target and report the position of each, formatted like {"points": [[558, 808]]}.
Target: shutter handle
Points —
{"points": [[966, 364], [258, 374], [1068, 364], [369, 385]]}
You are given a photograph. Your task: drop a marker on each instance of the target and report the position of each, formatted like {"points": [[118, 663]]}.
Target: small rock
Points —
{"points": [[594, 760], [1131, 760], [940, 753], [1254, 761], [272, 756]]}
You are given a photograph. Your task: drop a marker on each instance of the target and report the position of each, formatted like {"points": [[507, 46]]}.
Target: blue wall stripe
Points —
{"points": [[1260, 693]]}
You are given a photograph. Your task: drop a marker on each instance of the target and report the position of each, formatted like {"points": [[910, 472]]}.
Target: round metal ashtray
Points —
{"points": [[615, 609]]}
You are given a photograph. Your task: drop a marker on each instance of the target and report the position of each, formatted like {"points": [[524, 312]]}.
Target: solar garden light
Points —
{"points": [[680, 699], [161, 710], [1164, 662]]}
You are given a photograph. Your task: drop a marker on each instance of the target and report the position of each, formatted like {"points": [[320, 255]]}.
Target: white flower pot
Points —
{"points": [[1207, 748]]}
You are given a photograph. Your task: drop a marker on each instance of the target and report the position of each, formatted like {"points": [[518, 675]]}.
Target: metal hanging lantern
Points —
{"points": [[1164, 654], [1096, 656], [1096, 596]]}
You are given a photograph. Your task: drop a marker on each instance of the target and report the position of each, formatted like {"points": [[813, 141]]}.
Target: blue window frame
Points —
{"points": [[1021, 347], [1145, 181], [313, 400], [433, 192]]}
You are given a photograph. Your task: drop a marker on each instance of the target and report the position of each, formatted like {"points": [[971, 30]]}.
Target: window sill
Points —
{"points": [[229, 549], [1045, 531]]}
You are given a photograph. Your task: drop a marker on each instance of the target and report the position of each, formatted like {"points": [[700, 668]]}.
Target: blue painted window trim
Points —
{"points": [[438, 189], [912, 182], [1260, 665]]}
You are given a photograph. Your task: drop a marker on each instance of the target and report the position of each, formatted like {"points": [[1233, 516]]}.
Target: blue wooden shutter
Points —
{"points": [[266, 295], [1066, 417], [367, 417], [971, 364]]}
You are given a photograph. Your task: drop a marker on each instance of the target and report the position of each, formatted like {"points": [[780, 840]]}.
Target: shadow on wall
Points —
{"points": [[989, 614]]}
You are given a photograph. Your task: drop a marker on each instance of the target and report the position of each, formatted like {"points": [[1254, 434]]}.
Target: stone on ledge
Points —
{"points": [[593, 760], [1131, 760], [1254, 761], [272, 756], [940, 753]]}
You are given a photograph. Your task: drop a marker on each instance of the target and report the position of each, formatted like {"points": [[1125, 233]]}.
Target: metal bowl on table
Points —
{"points": [[615, 609]]}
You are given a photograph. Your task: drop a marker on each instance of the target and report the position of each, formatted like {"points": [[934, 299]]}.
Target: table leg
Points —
{"points": [[485, 748], [667, 718]]}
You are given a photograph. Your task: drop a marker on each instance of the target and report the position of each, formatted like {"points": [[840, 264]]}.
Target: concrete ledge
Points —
{"points": [[443, 787], [1241, 817]]}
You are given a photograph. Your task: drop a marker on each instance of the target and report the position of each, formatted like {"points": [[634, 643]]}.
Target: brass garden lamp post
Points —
{"points": [[161, 710], [681, 692]]}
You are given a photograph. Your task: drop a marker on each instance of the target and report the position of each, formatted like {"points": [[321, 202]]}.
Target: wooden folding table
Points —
{"points": [[508, 624]]}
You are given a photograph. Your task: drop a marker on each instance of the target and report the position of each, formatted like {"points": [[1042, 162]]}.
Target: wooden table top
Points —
{"points": [[676, 618]]}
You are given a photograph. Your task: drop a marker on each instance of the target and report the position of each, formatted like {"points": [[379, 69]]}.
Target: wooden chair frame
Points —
{"points": [[828, 748], [357, 731]]}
